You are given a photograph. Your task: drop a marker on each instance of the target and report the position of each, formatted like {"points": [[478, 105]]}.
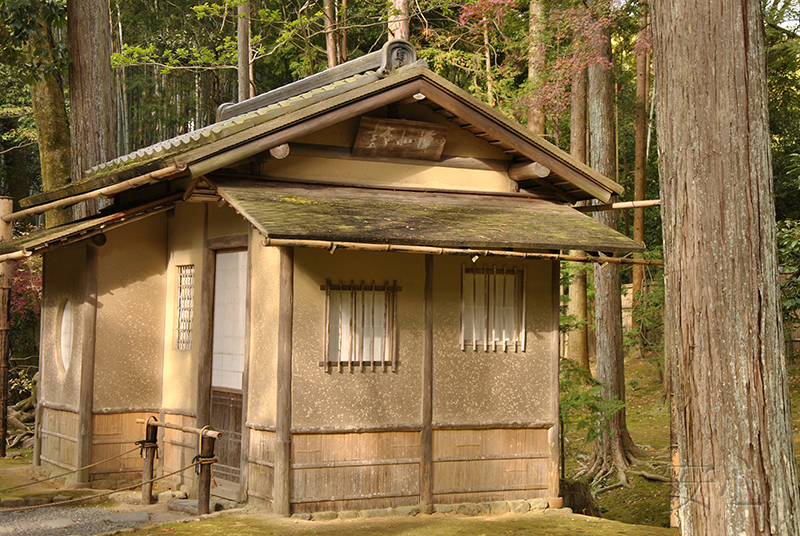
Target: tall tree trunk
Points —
{"points": [[343, 55], [640, 162], [614, 450], [536, 63], [399, 20], [243, 48], [578, 345], [734, 430], [52, 132], [487, 56], [329, 12], [90, 90]]}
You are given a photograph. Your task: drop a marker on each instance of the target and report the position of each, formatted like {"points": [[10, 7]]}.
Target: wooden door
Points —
{"points": [[227, 369]]}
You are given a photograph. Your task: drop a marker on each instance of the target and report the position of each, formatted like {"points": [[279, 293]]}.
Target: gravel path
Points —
{"points": [[61, 520]]}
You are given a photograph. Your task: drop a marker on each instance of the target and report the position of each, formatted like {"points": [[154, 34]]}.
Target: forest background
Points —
{"points": [[173, 62]]}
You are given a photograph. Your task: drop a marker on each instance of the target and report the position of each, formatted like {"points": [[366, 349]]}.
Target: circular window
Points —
{"points": [[65, 334]]}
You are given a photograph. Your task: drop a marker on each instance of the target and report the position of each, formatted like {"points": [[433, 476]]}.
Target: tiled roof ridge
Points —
{"points": [[263, 107]]}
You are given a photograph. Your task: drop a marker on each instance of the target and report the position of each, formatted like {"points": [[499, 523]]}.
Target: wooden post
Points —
{"points": [[150, 448], [426, 436], [86, 401], [204, 482], [281, 504], [6, 274]]}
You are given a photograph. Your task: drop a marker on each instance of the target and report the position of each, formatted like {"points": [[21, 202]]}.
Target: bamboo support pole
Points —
{"points": [[188, 429], [165, 173], [428, 250], [619, 206], [6, 274]]}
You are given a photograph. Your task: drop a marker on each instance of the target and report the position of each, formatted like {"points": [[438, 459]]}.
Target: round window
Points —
{"points": [[65, 335]]}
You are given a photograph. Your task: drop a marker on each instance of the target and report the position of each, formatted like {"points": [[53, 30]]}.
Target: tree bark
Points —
{"points": [[90, 90], [52, 132], [640, 162], [399, 20], [614, 450], [328, 10], [733, 422], [243, 49], [578, 342], [536, 63]]}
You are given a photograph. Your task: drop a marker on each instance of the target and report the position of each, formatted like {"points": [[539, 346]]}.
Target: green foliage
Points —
{"points": [[582, 406], [26, 31], [648, 309], [788, 233]]}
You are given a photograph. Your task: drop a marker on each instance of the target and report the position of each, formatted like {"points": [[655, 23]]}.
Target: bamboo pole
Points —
{"points": [[429, 250], [165, 173], [6, 275], [619, 206], [187, 429]]}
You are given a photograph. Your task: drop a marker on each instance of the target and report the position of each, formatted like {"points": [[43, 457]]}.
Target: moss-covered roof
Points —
{"points": [[384, 216]]}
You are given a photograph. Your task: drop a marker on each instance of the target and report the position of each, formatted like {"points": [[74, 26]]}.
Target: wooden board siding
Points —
{"points": [[489, 465], [261, 467], [59, 438], [354, 471], [178, 448], [113, 434], [226, 417]]}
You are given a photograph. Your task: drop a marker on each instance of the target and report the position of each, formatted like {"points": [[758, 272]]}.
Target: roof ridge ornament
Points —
{"points": [[395, 54]]}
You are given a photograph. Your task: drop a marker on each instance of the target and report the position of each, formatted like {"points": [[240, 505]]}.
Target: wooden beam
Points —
{"points": [[426, 435], [527, 170], [572, 173], [86, 400], [283, 422]]}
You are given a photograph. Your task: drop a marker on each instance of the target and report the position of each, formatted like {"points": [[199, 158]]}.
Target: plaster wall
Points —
{"points": [[185, 247], [130, 317], [264, 306], [64, 271], [492, 387], [375, 173], [223, 221], [355, 399]]}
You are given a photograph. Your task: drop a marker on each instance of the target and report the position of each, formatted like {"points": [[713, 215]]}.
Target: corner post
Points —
{"points": [[86, 402], [6, 275], [554, 433], [283, 427], [426, 436]]}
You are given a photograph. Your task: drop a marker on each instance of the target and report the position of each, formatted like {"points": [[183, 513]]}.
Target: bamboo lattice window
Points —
{"points": [[361, 328], [185, 307], [493, 308]]}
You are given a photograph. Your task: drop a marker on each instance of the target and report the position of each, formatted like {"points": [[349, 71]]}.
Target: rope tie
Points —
{"points": [[143, 444]]}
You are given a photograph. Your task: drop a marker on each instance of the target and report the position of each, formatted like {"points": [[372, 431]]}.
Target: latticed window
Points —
{"points": [[360, 325], [185, 306], [493, 308]]}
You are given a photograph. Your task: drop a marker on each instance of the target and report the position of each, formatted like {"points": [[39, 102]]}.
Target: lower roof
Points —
{"points": [[307, 211]]}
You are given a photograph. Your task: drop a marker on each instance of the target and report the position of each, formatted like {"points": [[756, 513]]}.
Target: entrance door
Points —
{"points": [[227, 369]]}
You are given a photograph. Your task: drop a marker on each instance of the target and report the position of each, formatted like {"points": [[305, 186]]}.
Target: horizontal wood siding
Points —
{"points": [[354, 471], [59, 438], [112, 435], [261, 467], [178, 448], [489, 465]]}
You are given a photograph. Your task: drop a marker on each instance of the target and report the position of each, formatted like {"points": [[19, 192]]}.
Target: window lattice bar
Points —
{"points": [[493, 308], [360, 326], [185, 307]]}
